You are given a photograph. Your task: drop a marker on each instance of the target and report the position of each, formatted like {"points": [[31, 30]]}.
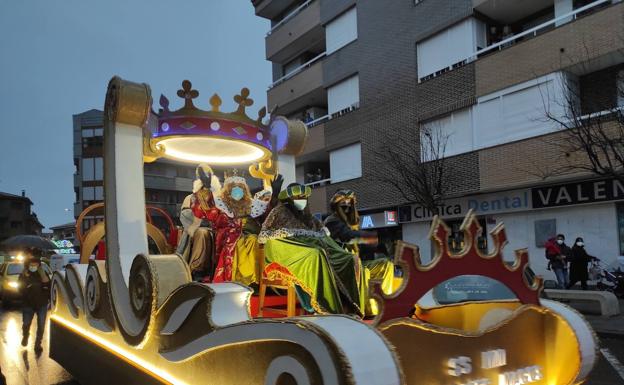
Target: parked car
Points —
{"points": [[10, 290]]}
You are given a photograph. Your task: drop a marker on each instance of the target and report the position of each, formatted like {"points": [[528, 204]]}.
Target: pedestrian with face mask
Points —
{"points": [[557, 253], [578, 264], [35, 285]]}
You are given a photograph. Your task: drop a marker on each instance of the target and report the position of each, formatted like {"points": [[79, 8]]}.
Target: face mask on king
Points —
{"points": [[579, 244], [300, 204], [237, 193], [560, 241], [32, 268]]}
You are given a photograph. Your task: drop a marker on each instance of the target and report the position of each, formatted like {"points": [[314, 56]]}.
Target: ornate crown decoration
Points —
{"points": [[233, 176], [190, 120], [419, 279]]}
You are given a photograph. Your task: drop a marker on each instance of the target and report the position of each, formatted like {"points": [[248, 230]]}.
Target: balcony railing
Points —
{"points": [[510, 41], [319, 183], [294, 72], [289, 16], [318, 121], [334, 115]]}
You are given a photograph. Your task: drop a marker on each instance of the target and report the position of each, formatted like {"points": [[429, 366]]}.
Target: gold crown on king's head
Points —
{"points": [[187, 93]]}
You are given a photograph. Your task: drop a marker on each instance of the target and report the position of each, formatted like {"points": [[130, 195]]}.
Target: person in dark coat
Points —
{"points": [[35, 285], [578, 264]]}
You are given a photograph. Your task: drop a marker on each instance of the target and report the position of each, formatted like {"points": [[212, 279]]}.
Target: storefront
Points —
{"points": [[587, 209], [386, 224]]}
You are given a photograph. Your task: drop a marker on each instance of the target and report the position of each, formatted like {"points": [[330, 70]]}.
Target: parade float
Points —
{"points": [[137, 318]]}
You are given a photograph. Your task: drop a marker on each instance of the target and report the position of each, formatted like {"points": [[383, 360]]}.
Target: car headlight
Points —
{"points": [[13, 285]]}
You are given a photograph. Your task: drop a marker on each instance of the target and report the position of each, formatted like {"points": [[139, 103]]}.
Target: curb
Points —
{"points": [[609, 334]]}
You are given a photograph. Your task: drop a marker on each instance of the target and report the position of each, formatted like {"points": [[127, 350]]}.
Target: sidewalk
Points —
{"points": [[603, 326]]}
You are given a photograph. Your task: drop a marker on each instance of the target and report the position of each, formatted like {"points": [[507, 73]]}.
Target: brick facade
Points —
{"points": [[444, 94], [384, 56], [527, 162]]}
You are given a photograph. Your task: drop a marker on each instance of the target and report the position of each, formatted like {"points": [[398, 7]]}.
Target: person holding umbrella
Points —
{"points": [[35, 284], [35, 296]]}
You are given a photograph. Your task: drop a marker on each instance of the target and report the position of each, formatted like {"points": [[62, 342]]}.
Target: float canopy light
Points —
{"points": [[212, 136], [198, 149]]}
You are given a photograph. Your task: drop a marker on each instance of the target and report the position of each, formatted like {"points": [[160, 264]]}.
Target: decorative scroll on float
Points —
{"points": [[506, 342]]}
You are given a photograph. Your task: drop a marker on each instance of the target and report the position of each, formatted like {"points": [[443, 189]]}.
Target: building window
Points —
{"points": [[512, 114], [16, 224], [92, 169], [99, 193], [88, 193], [99, 168], [453, 134], [344, 96], [88, 172], [449, 48], [346, 163], [341, 31], [90, 132]]}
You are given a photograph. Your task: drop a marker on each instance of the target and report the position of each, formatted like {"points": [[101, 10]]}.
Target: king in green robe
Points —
{"points": [[298, 249]]}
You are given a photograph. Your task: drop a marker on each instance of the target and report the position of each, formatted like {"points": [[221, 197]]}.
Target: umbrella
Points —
{"points": [[30, 241]]}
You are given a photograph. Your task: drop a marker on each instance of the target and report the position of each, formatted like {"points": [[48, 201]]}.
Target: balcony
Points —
{"points": [[589, 42], [300, 88], [270, 9], [77, 180], [298, 31], [316, 140], [509, 23]]}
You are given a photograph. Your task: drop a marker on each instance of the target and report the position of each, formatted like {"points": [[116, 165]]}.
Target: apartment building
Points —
{"points": [[166, 183], [483, 73], [17, 217]]}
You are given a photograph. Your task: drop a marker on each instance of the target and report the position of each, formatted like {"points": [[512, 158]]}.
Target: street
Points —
{"points": [[22, 367], [605, 372]]}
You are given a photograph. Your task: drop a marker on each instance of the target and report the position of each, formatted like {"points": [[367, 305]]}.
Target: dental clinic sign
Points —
{"points": [[603, 190], [485, 204], [577, 193]]}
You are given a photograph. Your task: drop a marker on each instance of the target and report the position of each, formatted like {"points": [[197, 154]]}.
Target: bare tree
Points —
{"points": [[417, 169], [592, 136]]}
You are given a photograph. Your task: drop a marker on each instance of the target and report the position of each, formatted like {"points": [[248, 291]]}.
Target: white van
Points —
{"points": [[59, 261]]}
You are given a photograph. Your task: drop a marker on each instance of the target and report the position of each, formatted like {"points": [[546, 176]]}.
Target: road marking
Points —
{"points": [[617, 365]]}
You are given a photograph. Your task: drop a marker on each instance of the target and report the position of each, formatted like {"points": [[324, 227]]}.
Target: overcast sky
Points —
{"points": [[56, 57]]}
